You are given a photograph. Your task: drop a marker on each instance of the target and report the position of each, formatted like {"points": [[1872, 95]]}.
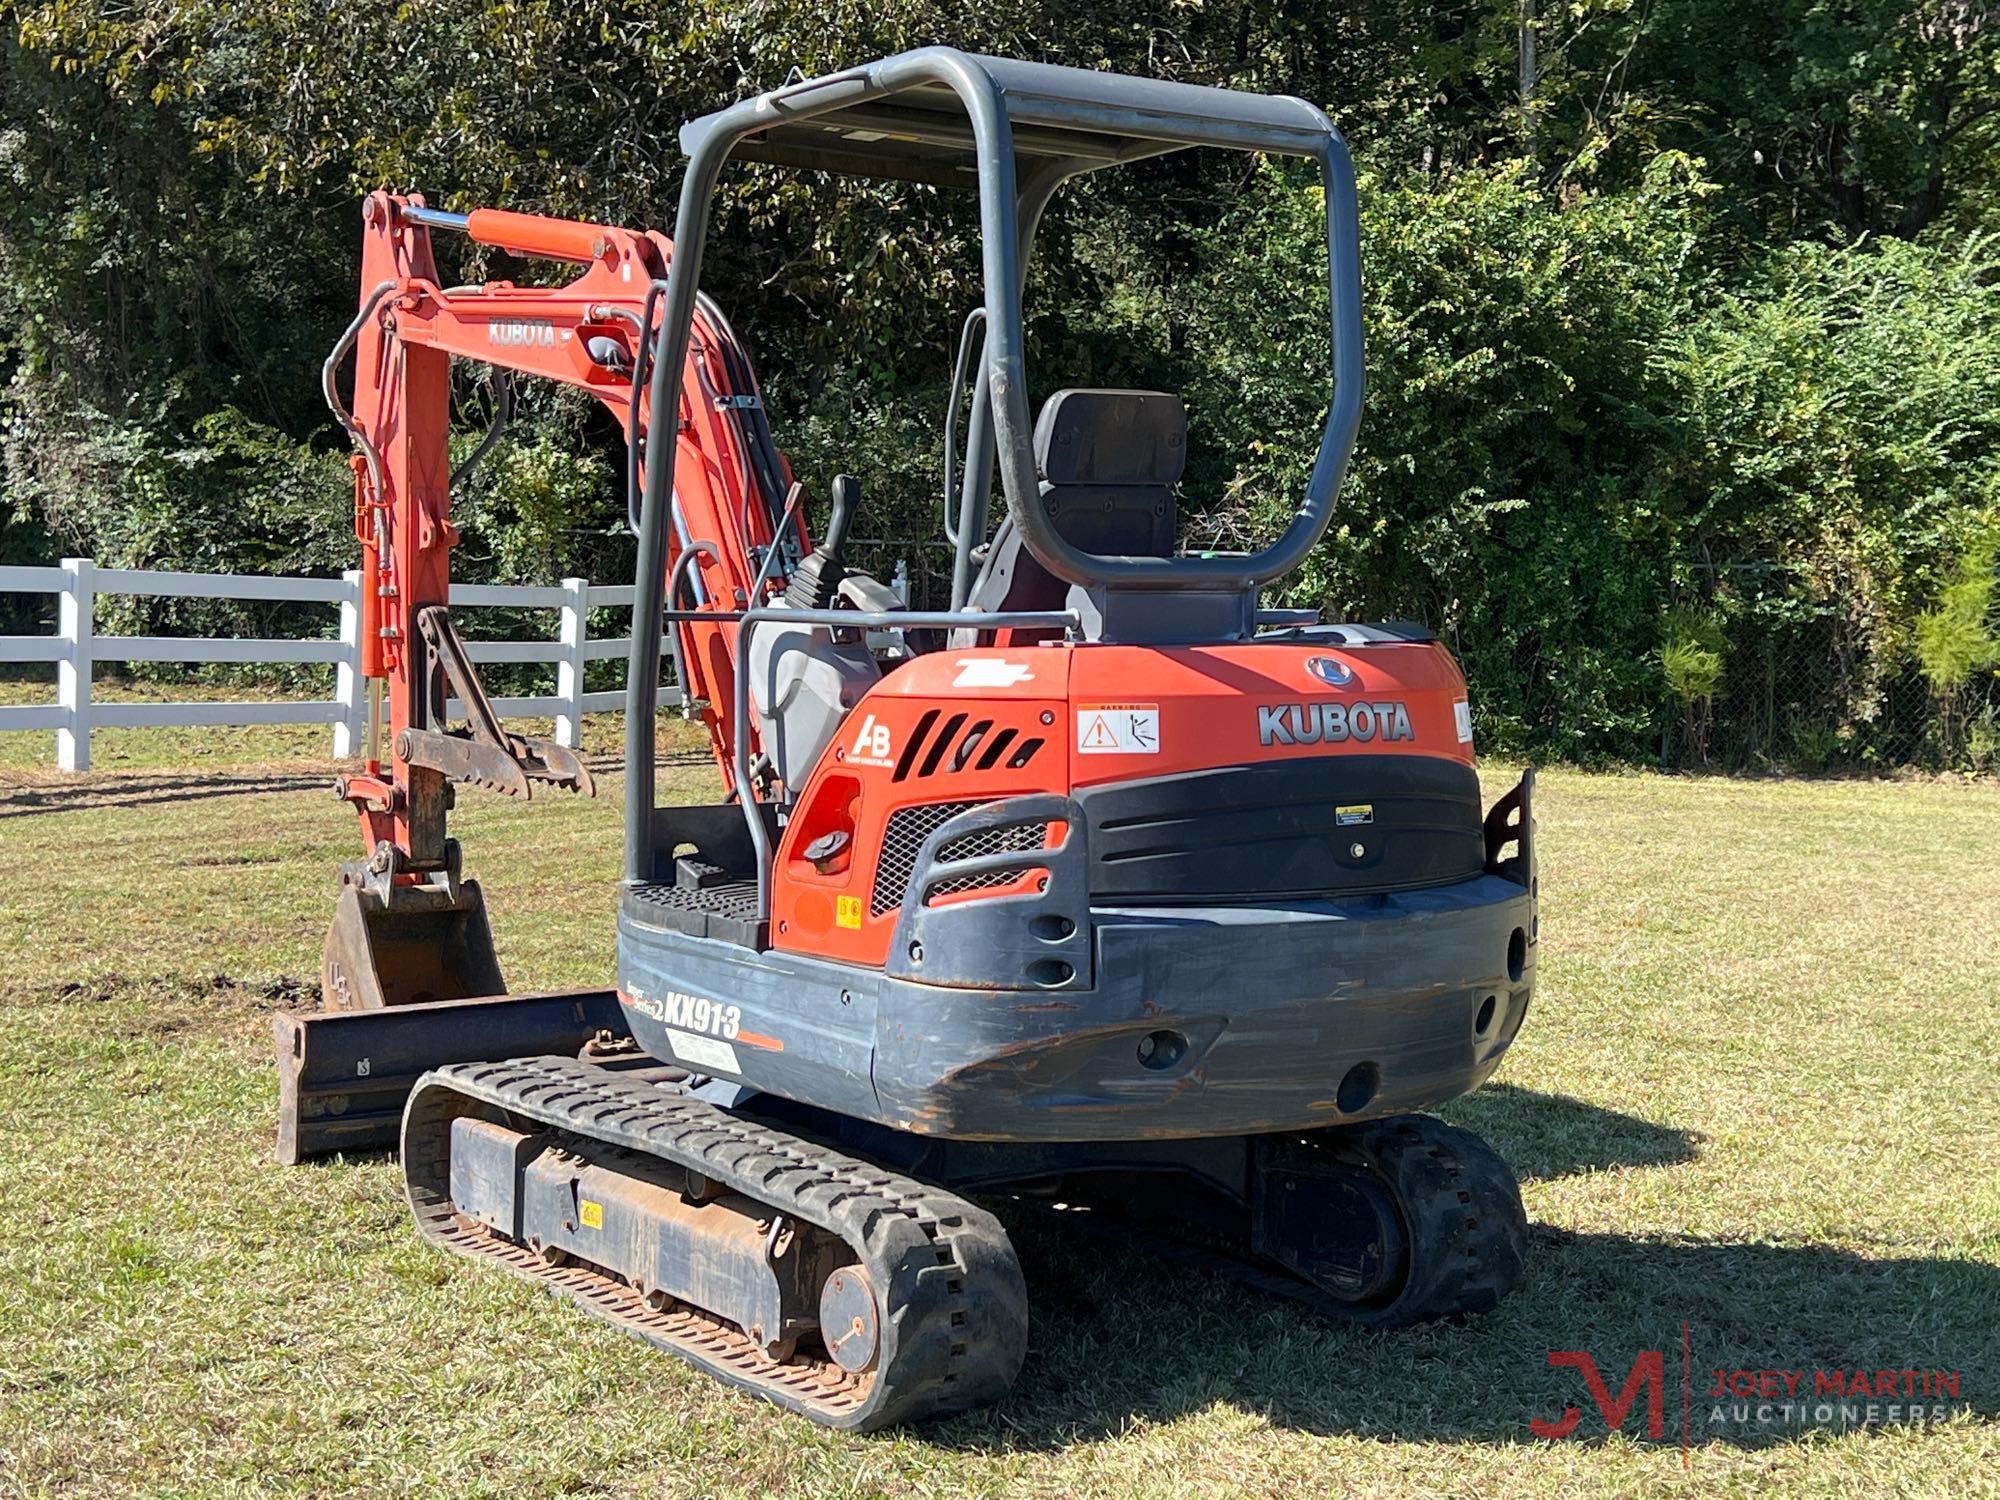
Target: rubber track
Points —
{"points": [[1461, 1206], [954, 1315]]}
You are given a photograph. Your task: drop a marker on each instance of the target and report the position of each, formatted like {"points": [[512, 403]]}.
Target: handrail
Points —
{"points": [[974, 321]]}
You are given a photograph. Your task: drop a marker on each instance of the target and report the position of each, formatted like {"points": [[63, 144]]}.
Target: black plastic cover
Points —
{"points": [[1286, 828]]}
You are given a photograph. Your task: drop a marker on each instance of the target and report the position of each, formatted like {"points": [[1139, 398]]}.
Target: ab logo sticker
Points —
{"points": [[872, 745]]}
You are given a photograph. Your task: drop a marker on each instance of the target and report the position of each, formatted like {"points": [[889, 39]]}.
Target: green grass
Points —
{"points": [[1756, 1094]]}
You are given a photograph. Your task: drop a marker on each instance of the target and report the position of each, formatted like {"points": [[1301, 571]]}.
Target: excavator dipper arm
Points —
{"points": [[596, 333]]}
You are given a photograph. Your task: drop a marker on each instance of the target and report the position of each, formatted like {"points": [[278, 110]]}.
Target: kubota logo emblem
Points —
{"points": [[1331, 671], [1312, 723], [521, 333]]}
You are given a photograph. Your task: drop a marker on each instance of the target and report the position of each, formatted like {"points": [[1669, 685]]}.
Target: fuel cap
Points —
{"points": [[823, 850]]}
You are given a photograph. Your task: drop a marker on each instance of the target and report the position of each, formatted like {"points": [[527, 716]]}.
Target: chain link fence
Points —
{"points": [[1805, 704]]}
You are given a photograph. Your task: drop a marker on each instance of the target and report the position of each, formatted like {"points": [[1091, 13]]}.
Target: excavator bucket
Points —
{"points": [[423, 944]]}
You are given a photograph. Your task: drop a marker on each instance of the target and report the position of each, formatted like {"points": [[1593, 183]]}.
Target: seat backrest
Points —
{"points": [[1108, 462]]}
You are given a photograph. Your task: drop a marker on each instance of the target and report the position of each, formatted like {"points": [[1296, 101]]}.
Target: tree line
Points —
{"points": [[1684, 349]]}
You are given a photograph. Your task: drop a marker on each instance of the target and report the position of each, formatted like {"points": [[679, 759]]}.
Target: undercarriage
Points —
{"points": [[841, 1288]]}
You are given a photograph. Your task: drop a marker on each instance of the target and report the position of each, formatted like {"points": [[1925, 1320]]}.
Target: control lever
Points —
{"points": [[815, 584]]}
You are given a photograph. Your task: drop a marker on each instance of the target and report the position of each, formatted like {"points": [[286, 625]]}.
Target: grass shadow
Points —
{"points": [[20, 801], [1544, 1136], [1120, 1339]]}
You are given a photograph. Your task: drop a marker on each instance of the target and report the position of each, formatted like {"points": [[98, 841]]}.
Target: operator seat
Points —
{"points": [[1108, 462]]}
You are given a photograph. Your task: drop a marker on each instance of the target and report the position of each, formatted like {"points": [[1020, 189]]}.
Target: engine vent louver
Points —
{"points": [[915, 743], [990, 756], [954, 747]]}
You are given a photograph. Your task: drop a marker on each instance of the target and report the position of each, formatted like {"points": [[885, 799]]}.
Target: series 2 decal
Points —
{"points": [[691, 1012]]}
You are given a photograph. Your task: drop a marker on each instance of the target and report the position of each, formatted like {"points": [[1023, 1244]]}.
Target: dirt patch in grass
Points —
{"points": [[209, 1006]]}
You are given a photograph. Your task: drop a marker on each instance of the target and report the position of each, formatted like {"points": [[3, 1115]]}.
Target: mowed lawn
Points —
{"points": [[1755, 1101]]}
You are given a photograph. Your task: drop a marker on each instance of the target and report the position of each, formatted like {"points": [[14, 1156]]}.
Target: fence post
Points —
{"points": [[75, 619], [569, 666], [347, 672]]}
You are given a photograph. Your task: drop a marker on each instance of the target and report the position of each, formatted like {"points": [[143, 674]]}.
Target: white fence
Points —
{"points": [[75, 648]]}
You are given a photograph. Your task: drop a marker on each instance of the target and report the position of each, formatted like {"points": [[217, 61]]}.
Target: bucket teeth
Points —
{"points": [[512, 766], [483, 753]]}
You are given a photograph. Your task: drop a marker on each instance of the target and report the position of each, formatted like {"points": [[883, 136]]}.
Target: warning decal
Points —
{"points": [[1118, 729]]}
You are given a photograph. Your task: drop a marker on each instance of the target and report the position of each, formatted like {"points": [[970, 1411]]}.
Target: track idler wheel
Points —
{"points": [[1399, 1221], [850, 1319]]}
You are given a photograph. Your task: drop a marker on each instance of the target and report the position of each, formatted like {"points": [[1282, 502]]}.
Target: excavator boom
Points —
{"points": [[408, 901]]}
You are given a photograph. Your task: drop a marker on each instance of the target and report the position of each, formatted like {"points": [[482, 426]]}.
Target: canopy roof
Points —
{"points": [[897, 118]]}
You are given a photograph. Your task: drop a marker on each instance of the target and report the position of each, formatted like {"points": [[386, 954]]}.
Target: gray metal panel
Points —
{"points": [[1271, 1006]]}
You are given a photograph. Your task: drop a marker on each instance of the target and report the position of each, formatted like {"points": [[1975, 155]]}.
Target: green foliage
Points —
{"points": [[1958, 638], [1692, 652], [1836, 424], [1704, 312], [1504, 458]]}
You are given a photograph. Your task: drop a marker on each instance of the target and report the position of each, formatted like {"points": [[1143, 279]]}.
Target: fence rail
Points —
{"points": [[75, 648]]}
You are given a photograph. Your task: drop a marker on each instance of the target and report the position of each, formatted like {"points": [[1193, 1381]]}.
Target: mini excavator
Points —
{"points": [[1107, 889]]}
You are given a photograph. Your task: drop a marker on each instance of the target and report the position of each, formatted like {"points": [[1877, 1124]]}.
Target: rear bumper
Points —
{"points": [[1198, 1021], [1223, 1021]]}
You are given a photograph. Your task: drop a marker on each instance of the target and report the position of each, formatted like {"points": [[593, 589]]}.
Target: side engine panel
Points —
{"points": [[941, 734]]}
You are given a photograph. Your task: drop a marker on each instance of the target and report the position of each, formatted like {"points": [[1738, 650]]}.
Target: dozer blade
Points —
{"points": [[343, 1078], [422, 945]]}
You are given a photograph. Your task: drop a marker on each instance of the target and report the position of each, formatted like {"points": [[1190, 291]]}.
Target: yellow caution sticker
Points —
{"points": [[592, 1214], [1349, 814], [847, 911]]}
